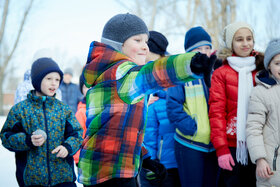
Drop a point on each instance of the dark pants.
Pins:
(196, 168)
(117, 182)
(172, 179)
(240, 176)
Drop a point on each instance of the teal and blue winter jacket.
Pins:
(37, 165)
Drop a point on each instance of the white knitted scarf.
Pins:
(244, 66)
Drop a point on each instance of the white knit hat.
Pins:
(231, 29)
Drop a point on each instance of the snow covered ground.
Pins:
(7, 164)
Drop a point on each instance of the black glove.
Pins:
(201, 63)
(158, 172)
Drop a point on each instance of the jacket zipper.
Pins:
(160, 147)
(47, 131)
(275, 157)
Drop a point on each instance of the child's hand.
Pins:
(263, 170)
(226, 162)
(61, 151)
(37, 140)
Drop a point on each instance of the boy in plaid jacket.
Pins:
(116, 103)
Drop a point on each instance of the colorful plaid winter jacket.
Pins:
(37, 165)
(116, 109)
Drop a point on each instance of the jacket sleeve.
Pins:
(162, 73)
(13, 135)
(255, 123)
(175, 111)
(151, 131)
(217, 113)
(73, 134)
(81, 117)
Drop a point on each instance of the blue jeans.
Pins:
(196, 168)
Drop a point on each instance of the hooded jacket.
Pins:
(159, 133)
(116, 109)
(263, 126)
(187, 110)
(37, 165)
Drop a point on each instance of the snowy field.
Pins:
(7, 164)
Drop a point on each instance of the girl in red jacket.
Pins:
(230, 89)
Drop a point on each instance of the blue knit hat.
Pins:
(157, 43)
(121, 27)
(40, 68)
(196, 37)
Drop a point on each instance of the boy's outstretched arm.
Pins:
(162, 73)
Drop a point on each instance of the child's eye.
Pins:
(249, 39)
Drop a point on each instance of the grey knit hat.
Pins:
(121, 27)
(272, 49)
(230, 30)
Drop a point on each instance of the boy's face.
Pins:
(136, 48)
(274, 66)
(205, 49)
(49, 84)
(243, 42)
(67, 78)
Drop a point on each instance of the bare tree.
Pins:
(175, 17)
(272, 17)
(7, 50)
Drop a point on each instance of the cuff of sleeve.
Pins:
(68, 147)
(189, 72)
(222, 151)
(29, 142)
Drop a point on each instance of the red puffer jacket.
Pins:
(223, 108)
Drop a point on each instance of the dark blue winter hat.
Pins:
(157, 43)
(40, 68)
(196, 37)
(121, 27)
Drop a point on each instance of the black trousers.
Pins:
(240, 176)
(117, 182)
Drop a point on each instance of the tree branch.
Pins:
(4, 19)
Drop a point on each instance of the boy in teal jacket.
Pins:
(43, 132)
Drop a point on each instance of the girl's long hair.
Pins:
(226, 52)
